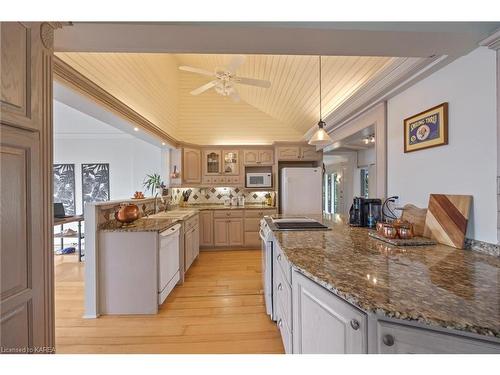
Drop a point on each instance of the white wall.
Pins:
(79, 138)
(467, 165)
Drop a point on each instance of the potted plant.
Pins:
(153, 183)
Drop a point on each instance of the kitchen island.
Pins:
(398, 296)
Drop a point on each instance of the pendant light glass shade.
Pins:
(320, 136)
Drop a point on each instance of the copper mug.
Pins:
(127, 213)
(390, 232)
(405, 232)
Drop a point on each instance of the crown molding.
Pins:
(67, 75)
(492, 41)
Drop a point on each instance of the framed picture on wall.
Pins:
(426, 129)
(95, 183)
(64, 187)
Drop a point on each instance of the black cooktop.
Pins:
(300, 225)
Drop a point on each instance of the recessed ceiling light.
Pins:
(163, 143)
(136, 129)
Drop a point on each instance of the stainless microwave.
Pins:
(258, 180)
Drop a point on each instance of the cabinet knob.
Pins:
(279, 257)
(354, 324)
(228, 213)
(280, 287)
(388, 340)
(280, 323)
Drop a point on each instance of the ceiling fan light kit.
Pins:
(320, 136)
(226, 79)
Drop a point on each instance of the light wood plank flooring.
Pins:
(219, 309)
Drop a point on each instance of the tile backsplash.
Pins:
(218, 194)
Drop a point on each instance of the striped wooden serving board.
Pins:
(446, 219)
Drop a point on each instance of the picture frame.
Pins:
(426, 129)
(64, 187)
(95, 183)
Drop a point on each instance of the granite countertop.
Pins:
(436, 285)
(141, 225)
(215, 206)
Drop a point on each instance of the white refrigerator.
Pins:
(301, 191)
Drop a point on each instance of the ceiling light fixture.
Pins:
(320, 137)
(136, 129)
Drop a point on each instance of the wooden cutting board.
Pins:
(416, 216)
(446, 219)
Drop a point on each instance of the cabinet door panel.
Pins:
(191, 170)
(413, 340)
(288, 153)
(206, 229)
(196, 242)
(310, 153)
(231, 163)
(188, 249)
(221, 237)
(212, 162)
(266, 157)
(250, 157)
(236, 232)
(322, 321)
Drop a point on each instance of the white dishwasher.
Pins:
(168, 262)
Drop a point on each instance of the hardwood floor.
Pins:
(219, 309)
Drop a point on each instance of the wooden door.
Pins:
(266, 157)
(250, 157)
(288, 153)
(191, 169)
(26, 258)
(206, 229)
(221, 237)
(236, 232)
(323, 323)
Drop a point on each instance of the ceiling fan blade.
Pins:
(252, 82)
(235, 96)
(235, 63)
(203, 88)
(196, 70)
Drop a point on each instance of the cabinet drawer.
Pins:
(285, 331)
(259, 213)
(396, 338)
(281, 261)
(228, 213)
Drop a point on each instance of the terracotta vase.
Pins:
(127, 213)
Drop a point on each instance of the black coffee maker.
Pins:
(365, 212)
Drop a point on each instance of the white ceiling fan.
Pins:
(226, 79)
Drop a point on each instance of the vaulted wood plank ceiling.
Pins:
(152, 85)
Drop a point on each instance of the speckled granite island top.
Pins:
(436, 285)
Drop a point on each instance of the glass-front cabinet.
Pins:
(212, 162)
(231, 162)
(218, 162)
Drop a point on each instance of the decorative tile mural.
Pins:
(217, 195)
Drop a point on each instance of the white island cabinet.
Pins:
(137, 270)
(324, 323)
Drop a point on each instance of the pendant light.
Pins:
(320, 137)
